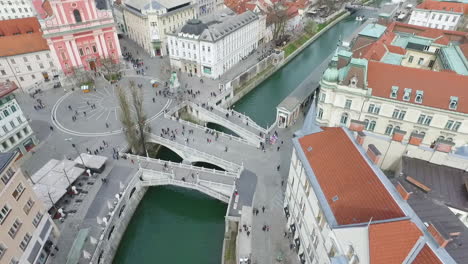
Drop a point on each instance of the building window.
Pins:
(77, 16)
(13, 108)
(29, 68)
(320, 114)
(27, 207)
(399, 114)
(371, 125)
(419, 96)
(2, 250)
(13, 261)
(12, 124)
(81, 51)
(410, 59)
(323, 96)
(375, 109)
(18, 191)
(25, 59)
(449, 124)
(38, 57)
(209, 49)
(24, 243)
(407, 94)
(33, 76)
(453, 102)
(4, 212)
(5, 129)
(13, 61)
(452, 125)
(348, 104)
(344, 119)
(8, 175)
(394, 92)
(94, 49)
(421, 61)
(37, 219)
(3, 72)
(6, 113)
(14, 228)
(389, 130)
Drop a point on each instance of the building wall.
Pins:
(29, 69)
(149, 29)
(11, 9)
(333, 107)
(34, 220)
(418, 59)
(212, 59)
(316, 237)
(435, 19)
(65, 35)
(207, 7)
(15, 131)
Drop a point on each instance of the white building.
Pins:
(11, 9)
(341, 208)
(25, 57)
(15, 132)
(148, 21)
(213, 45)
(207, 7)
(438, 14)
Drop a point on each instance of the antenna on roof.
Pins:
(369, 222)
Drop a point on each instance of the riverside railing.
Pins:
(244, 117)
(195, 152)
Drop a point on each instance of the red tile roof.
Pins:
(426, 256)
(7, 88)
(19, 36)
(361, 195)
(432, 33)
(444, 6)
(391, 242)
(437, 86)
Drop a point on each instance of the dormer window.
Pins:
(419, 97)
(453, 102)
(353, 82)
(394, 92)
(407, 94)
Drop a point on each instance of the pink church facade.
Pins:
(78, 34)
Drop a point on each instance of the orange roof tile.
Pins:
(19, 36)
(426, 256)
(391, 242)
(444, 6)
(7, 88)
(432, 33)
(361, 195)
(418, 79)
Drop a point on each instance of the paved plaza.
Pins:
(261, 182)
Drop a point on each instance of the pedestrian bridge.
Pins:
(217, 184)
(238, 123)
(193, 155)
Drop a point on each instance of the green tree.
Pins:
(311, 27)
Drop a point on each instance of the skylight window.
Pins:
(394, 93)
(453, 102)
(419, 97)
(407, 94)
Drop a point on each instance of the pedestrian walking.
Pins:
(248, 233)
(84, 113)
(263, 209)
(282, 183)
(278, 148)
(51, 128)
(278, 168)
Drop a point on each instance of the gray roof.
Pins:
(155, 4)
(219, 25)
(446, 183)
(194, 27)
(5, 159)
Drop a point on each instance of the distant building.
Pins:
(341, 208)
(439, 14)
(79, 34)
(15, 134)
(211, 46)
(148, 22)
(12, 9)
(28, 233)
(25, 57)
(399, 80)
(207, 7)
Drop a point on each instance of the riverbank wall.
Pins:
(122, 215)
(230, 97)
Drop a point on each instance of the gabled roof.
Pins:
(373, 30)
(391, 242)
(437, 86)
(444, 6)
(353, 191)
(426, 256)
(20, 36)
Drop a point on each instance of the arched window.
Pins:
(77, 16)
(371, 126)
(320, 113)
(441, 138)
(450, 139)
(344, 119)
(389, 130)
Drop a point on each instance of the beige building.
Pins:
(28, 234)
(148, 21)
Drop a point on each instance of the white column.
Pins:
(70, 53)
(57, 13)
(64, 15)
(98, 44)
(88, 11)
(75, 52)
(103, 43)
(117, 44)
(93, 5)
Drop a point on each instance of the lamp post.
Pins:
(76, 149)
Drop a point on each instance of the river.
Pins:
(180, 226)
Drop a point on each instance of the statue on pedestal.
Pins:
(174, 82)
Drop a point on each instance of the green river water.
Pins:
(178, 226)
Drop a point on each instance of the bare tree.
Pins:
(111, 68)
(79, 76)
(140, 116)
(277, 15)
(311, 27)
(127, 121)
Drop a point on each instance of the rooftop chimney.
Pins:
(357, 125)
(439, 238)
(360, 137)
(403, 192)
(398, 135)
(373, 153)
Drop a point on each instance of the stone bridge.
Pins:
(355, 7)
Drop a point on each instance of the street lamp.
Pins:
(76, 149)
